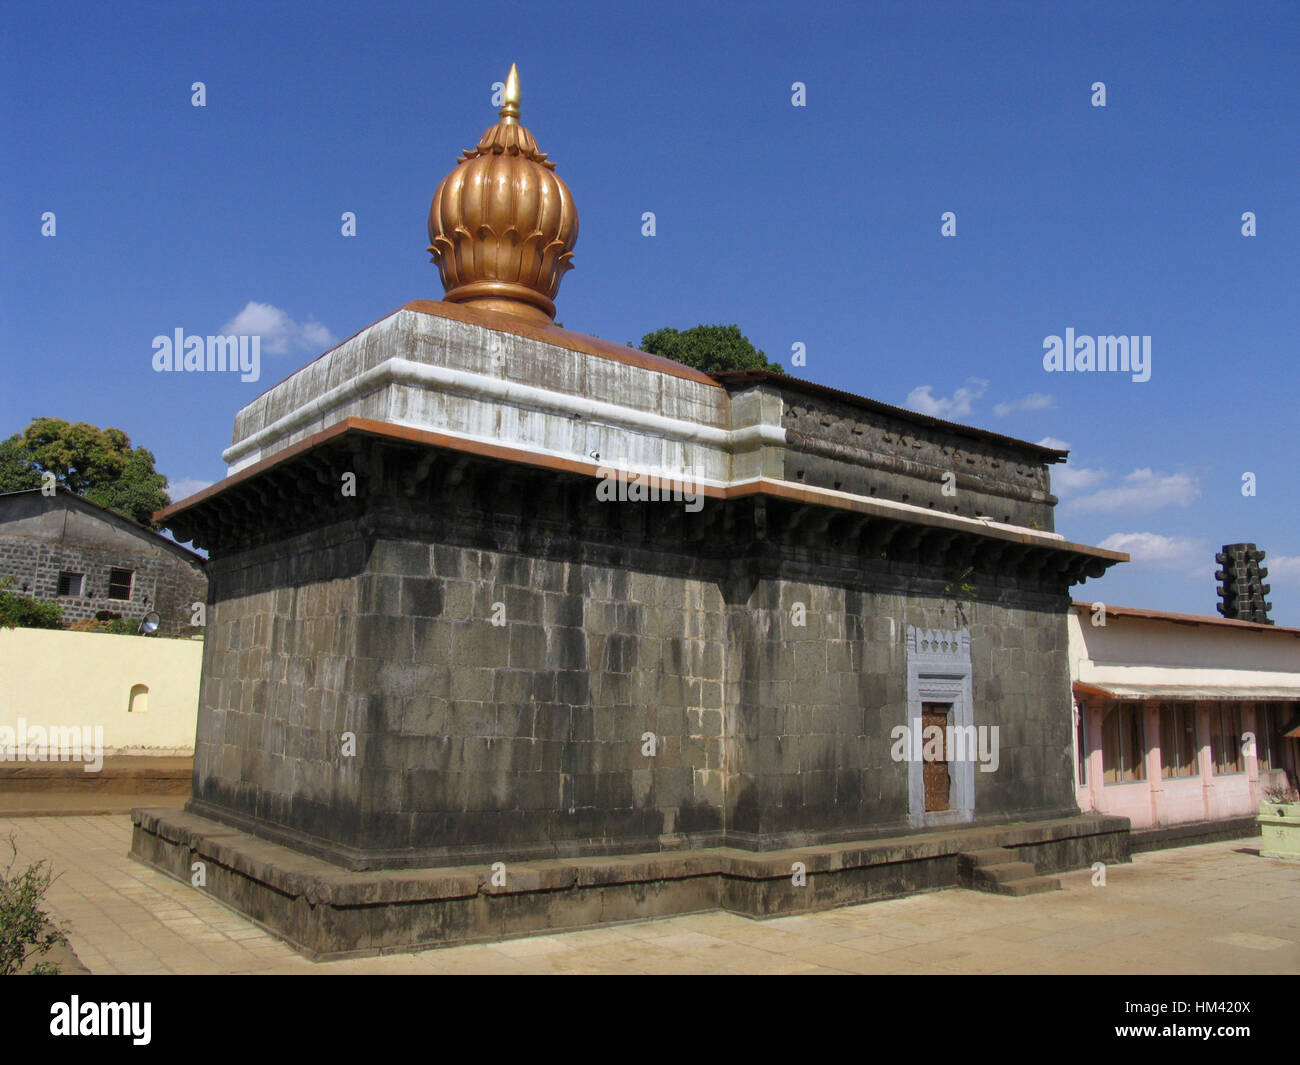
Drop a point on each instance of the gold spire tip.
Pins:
(510, 105)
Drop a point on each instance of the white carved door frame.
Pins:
(939, 671)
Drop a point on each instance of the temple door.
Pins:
(934, 770)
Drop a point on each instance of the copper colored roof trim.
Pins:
(1183, 619)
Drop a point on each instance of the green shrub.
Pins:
(26, 931)
(22, 611)
(123, 627)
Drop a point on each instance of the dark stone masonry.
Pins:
(500, 644)
(857, 445)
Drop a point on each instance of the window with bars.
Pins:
(70, 583)
(1225, 738)
(119, 583)
(1264, 725)
(1179, 749)
(1270, 719)
(1123, 745)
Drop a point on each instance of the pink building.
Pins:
(1180, 718)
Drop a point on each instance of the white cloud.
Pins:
(1069, 480)
(1033, 401)
(183, 487)
(958, 405)
(315, 335)
(1053, 442)
(1160, 552)
(1143, 491)
(280, 334)
(1284, 568)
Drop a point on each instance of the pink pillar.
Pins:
(1092, 731)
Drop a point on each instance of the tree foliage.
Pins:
(24, 612)
(99, 464)
(26, 931)
(709, 348)
(18, 470)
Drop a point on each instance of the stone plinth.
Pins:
(467, 659)
(326, 912)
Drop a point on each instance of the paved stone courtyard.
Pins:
(1216, 908)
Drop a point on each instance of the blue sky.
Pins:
(817, 224)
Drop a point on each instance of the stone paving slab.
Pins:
(1212, 908)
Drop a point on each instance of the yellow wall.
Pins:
(55, 678)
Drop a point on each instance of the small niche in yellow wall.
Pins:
(139, 703)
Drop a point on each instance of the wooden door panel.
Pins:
(934, 771)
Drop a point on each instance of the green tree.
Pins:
(18, 471)
(709, 348)
(99, 464)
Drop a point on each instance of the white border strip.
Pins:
(398, 371)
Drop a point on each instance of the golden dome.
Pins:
(502, 225)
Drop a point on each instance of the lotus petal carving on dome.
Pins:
(502, 224)
(507, 140)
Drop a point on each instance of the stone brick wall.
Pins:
(814, 706)
(469, 734)
(851, 449)
(280, 687)
(481, 740)
(38, 540)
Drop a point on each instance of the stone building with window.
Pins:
(95, 563)
(1181, 721)
(515, 628)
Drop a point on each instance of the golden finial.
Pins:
(510, 106)
(502, 225)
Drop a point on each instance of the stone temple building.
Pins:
(512, 628)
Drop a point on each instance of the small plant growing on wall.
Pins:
(962, 588)
(26, 931)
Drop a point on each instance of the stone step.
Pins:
(1006, 873)
(998, 871)
(1035, 886)
(993, 856)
